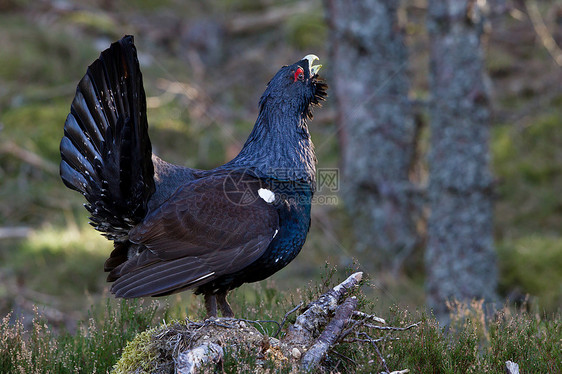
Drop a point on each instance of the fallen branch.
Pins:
(358, 314)
(322, 325)
(317, 313)
(391, 328)
(329, 336)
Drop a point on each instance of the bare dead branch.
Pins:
(285, 318)
(359, 340)
(259, 322)
(377, 350)
(323, 324)
(329, 336)
(365, 316)
(317, 312)
(391, 328)
(542, 31)
(348, 359)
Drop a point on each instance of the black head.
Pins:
(296, 87)
(279, 146)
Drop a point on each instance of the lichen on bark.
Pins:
(460, 258)
(376, 126)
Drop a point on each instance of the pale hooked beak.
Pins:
(313, 69)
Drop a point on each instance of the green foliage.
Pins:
(69, 256)
(527, 339)
(25, 65)
(529, 210)
(94, 348)
(307, 30)
(526, 163)
(263, 302)
(472, 343)
(531, 265)
(37, 126)
(421, 350)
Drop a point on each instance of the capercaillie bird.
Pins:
(176, 228)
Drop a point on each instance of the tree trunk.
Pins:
(460, 257)
(377, 131)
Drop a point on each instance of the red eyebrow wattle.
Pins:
(298, 72)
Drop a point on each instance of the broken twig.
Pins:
(318, 312)
(330, 335)
(285, 318)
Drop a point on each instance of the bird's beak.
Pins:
(313, 68)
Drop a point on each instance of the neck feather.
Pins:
(279, 147)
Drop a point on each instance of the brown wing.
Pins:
(212, 226)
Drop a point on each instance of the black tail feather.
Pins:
(106, 152)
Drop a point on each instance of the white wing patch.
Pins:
(267, 195)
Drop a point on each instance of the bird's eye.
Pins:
(299, 74)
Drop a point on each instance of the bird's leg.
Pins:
(225, 308)
(211, 305)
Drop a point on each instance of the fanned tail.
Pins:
(106, 152)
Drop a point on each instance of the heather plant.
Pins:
(94, 347)
(473, 342)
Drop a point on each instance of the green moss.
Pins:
(139, 355)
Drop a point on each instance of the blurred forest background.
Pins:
(205, 65)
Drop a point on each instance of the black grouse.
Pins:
(176, 228)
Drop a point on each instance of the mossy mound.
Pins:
(156, 350)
